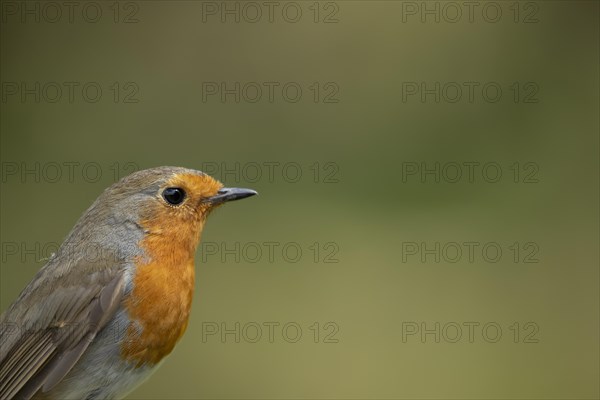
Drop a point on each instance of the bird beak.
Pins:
(230, 194)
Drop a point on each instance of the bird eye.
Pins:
(174, 196)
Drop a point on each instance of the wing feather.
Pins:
(38, 355)
(44, 352)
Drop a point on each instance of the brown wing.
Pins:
(48, 328)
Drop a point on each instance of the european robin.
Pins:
(94, 326)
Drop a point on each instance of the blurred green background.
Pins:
(354, 134)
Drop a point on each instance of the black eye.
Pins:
(174, 196)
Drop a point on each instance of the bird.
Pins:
(114, 299)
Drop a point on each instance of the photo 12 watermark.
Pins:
(268, 171)
(469, 332)
(470, 171)
(271, 12)
(290, 92)
(471, 252)
(470, 92)
(488, 12)
(69, 12)
(70, 92)
(270, 332)
(64, 171)
(270, 252)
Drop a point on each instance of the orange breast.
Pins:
(161, 298)
(160, 304)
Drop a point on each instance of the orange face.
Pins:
(174, 222)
